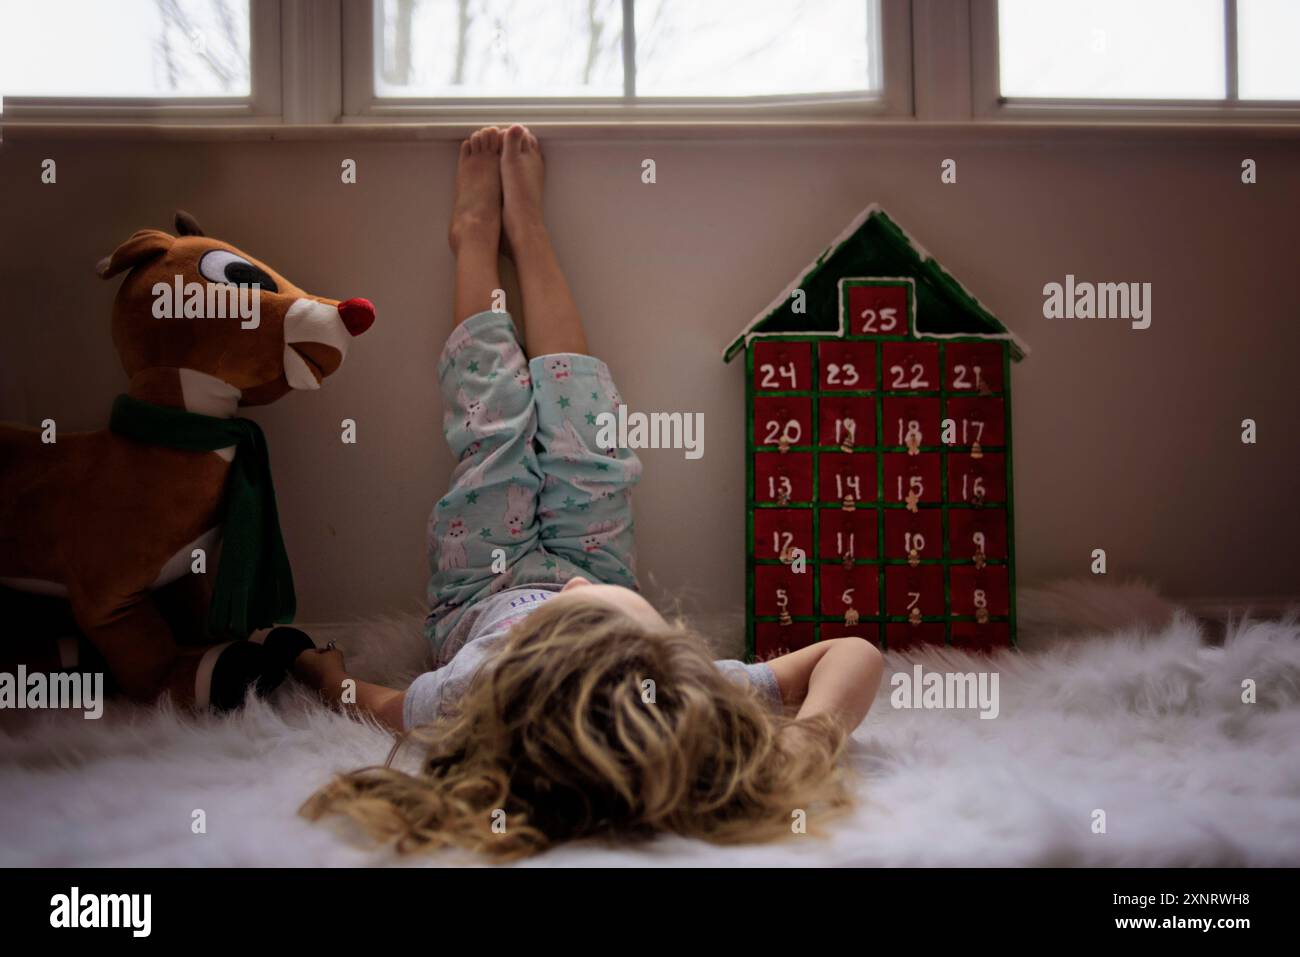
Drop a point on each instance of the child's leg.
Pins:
(486, 524)
(551, 320)
(585, 502)
(475, 234)
(585, 506)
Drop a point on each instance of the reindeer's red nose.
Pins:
(358, 315)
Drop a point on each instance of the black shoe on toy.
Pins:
(283, 646)
(241, 664)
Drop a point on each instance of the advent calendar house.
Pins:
(878, 453)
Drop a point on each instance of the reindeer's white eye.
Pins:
(220, 265)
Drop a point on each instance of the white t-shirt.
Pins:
(483, 631)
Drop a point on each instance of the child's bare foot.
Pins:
(476, 214)
(522, 176)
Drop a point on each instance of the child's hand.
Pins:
(320, 668)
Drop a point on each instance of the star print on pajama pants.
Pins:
(531, 479)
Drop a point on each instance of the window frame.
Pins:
(263, 104)
(311, 66)
(989, 104)
(361, 104)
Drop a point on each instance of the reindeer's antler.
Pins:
(187, 225)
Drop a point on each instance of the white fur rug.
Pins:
(1115, 704)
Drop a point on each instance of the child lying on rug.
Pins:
(563, 704)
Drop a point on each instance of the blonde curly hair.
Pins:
(591, 723)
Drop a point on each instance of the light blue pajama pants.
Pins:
(533, 492)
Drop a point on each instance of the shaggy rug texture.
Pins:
(1115, 703)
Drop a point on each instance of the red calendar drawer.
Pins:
(974, 588)
(782, 415)
(905, 415)
(782, 366)
(912, 473)
(847, 365)
(866, 630)
(841, 474)
(780, 529)
(907, 588)
(775, 474)
(981, 420)
(844, 532)
(973, 366)
(770, 581)
(772, 639)
(857, 588)
(977, 481)
(973, 529)
(878, 311)
(987, 637)
(900, 636)
(910, 366)
(847, 418)
(906, 530)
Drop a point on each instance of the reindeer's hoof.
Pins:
(283, 646)
(241, 665)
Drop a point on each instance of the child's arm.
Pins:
(323, 670)
(839, 677)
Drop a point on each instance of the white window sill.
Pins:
(872, 128)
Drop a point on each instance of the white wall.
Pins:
(1125, 440)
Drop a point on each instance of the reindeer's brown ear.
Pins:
(187, 225)
(144, 244)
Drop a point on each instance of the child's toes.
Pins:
(516, 138)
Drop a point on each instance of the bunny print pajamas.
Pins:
(534, 500)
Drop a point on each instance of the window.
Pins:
(623, 52)
(490, 48)
(1268, 49)
(1199, 51)
(771, 64)
(139, 58)
(767, 47)
(130, 48)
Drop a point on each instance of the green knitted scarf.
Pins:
(254, 586)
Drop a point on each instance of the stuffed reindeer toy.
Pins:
(176, 493)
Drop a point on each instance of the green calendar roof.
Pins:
(874, 246)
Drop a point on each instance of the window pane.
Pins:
(1112, 49)
(503, 48)
(149, 48)
(761, 47)
(1268, 49)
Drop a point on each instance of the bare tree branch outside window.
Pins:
(202, 38)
